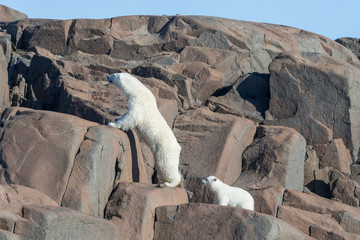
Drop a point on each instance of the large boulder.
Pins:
(14, 197)
(132, 207)
(351, 43)
(327, 218)
(47, 222)
(10, 15)
(318, 96)
(73, 161)
(205, 221)
(275, 158)
(212, 144)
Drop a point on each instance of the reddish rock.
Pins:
(46, 144)
(4, 87)
(205, 221)
(275, 158)
(92, 177)
(131, 207)
(268, 200)
(321, 93)
(212, 143)
(335, 155)
(336, 217)
(344, 189)
(318, 226)
(14, 197)
(46, 222)
(10, 15)
(353, 44)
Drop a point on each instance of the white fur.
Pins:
(144, 115)
(229, 196)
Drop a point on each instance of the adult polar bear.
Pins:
(144, 115)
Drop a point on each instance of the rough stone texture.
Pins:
(275, 158)
(43, 222)
(4, 55)
(351, 43)
(92, 177)
(132, 207)
(34, 140)
(344, 189)
(14, 197)
(212, 144)
(248, 97)
(204, 221)
(79, 160)
(334, 155)
(315, 94)
(267, 200)
(308, 211)
(10, 15)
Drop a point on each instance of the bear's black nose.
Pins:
(109, 80)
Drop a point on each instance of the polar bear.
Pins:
(229, 196)
(144, 115)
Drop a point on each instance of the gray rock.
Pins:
(318, 96)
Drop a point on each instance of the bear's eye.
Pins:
(215, 179)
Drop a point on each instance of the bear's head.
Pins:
(211, 181)
(127, 83)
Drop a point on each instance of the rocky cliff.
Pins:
(272, 109)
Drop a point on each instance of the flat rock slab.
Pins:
(132, 207)
(208, 221)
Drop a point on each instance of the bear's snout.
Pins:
(204, 180)
(109, 79)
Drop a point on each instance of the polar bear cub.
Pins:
(229, 196)
(144, 115)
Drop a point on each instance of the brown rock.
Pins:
(351, 43)
(10, 15)
(4, 87)
(14, 197)
(132, 207)
(249, 97)
(205, 221)
(208, 157)
(51, 36)
(212, 144)
(347, 217)
(344, 189)
(321, 93)
(335, 155)
(46, 222)
(92, 177)
(43, 140)
(268, 200)
(318, 226)
(275, 158)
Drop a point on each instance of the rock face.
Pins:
(10, 15)
(318, 96)
(269, 108)
(203, 221)
(351, 43)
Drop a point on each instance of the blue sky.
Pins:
(331, 18)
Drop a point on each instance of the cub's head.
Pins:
(211, 181)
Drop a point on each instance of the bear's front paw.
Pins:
(114, 125)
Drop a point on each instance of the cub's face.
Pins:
(211, 180)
